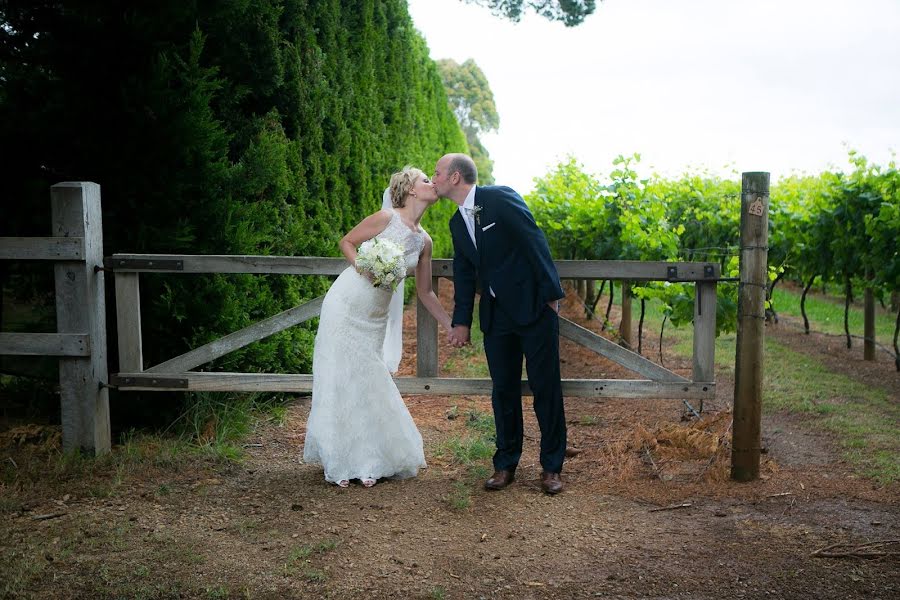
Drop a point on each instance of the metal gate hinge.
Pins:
(147, 264)
(151, 382)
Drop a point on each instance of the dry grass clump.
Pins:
(45, 437)
(687, 450)
(617, 461)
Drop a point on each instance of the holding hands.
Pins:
(459, 336)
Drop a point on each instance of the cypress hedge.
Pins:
(239, 127)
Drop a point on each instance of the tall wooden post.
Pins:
(426, 338)
(625, 327)
(748, 372)
(81, 308)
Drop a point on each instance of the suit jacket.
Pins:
(512, 258)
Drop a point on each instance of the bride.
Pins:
(359, 427)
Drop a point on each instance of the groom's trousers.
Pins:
(505, 344)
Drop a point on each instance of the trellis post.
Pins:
(748, 372)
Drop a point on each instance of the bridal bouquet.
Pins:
(384, 260)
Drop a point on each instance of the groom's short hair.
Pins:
(466, 167)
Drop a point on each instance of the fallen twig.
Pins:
(788, 507)
(844, 550)
(779, 495)
(47, 516)
(672, 507)
(652, 462)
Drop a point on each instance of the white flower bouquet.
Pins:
(384, 260)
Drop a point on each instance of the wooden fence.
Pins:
(77, 250)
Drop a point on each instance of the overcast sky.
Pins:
(725, 85)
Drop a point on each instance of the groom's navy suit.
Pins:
(511, 266)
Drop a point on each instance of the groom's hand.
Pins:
(554, 305)
(459, 336)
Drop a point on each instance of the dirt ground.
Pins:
(648, 512)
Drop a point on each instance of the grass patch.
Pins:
(314, 575)
(219, 591)
(482, 424)
(460, 497)
(20, 570)
(299, 560)
(826, 313)
(438, 593)
(472, 451)
(865, 421)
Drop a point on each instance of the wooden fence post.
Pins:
(748, 372)
(704, 333)
(81, 308)
(426, 338)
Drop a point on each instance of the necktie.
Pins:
(470, 222)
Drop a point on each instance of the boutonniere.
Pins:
(476, 212)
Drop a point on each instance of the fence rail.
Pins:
(312, 265)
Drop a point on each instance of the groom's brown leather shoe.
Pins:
(551, 483)
(499, 480)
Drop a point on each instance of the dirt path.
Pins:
(272, 528)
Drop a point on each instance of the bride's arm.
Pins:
(424, 289)
(366, 230)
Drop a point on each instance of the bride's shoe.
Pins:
(367, 482)
(343, 483)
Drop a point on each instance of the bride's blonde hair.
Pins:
(402, 184)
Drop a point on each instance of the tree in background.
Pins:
(472, 102)
(570, 12)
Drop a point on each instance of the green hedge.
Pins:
(238, 127)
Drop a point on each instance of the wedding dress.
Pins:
(358, 425)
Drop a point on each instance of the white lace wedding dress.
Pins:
(358, 425)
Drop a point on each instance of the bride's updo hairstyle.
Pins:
(402, 184)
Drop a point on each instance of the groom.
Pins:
(499, 249)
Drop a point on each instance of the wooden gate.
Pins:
(176, 373)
